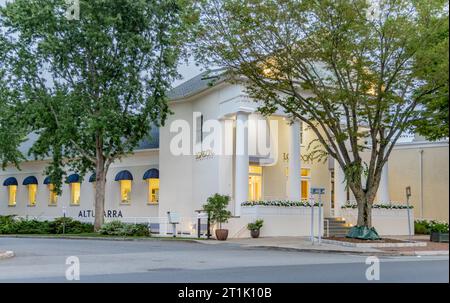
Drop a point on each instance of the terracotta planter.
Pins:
(254, 233)
(221, 234)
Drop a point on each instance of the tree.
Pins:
(347, 70)
(91, 88)
(11, 134)
(433, 121)
(216, 208)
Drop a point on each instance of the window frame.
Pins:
(150, 187)
(122, 189)
(73, 191)
(256, 174)
(53, 196)
(12, 195)
(32, 202)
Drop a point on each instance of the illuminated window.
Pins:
(153, 190)
(125, 191)
(255, 183)
(32, 191)
(75, 193)
(12, 190)
(304, 184)
(53, 198)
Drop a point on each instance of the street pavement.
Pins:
(44, 260)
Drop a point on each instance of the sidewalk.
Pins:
(304, 244)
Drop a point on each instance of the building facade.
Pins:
(216, 142)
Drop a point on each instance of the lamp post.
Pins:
(408, 195)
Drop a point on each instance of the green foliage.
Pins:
(426, 227)
(421, 227)
(91, 88)
(255, 225)
(279, 203)
(379, 206)
(357, 80)
(70, 226)
(13, 225)
(118, 228)
(216, 207)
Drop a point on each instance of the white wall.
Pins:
(137, 164)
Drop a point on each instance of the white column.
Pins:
(242, 159)
(383, 188)
(340, 193)
(294, 174)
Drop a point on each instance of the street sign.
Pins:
(317, 191)
(408, 191)
(174, 218)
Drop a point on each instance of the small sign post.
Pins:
(408, 195)
(319, 191)
(64, 220)
(174, 219)
(311, 202)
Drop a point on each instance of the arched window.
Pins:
(74, 182)
(125, 179)
(32, 184)
(152, 178)
(11, 183)
(53, 196)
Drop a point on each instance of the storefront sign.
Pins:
(203, 155)
(107, 214)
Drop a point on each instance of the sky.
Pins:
(186, 70)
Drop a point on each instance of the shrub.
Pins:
(216, 207)
(12, 225)
(421, 227)
(25, 226)
(426, 227)
(439, 227)
(256, 225)
(118, 228)
(70, 226)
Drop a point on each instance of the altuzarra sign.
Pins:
(107, 214)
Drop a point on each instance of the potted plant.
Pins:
(216, 208)
(439, 232)
(255, 227)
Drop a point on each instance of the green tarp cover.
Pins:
(363, 233)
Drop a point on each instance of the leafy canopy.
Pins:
(216, 207)
(354, 77)
(92, 88)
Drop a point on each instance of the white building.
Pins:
(253, 163)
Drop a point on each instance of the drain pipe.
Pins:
(421, 182)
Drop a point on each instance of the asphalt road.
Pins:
(44, 260)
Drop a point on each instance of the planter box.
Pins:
(439, 237)
(387, 222)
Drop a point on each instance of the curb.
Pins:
(325, 251)
(6, 254)
(360, 253)
(375, 245)
(98, 238)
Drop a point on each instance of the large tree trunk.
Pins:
(364, 213)
(100, 172)
(99, 198)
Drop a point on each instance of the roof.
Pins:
(151, 142)
(197, 84)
